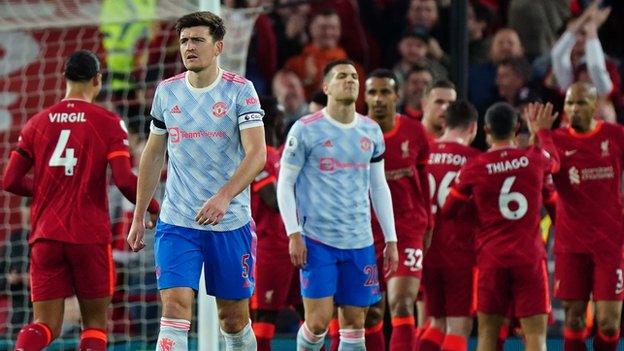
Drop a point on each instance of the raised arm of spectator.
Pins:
(596, 64)
(561, 60)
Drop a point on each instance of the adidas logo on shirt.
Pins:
(175, 109)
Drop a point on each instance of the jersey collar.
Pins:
(204, 89)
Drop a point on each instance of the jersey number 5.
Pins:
(506, 197)
(57, 159)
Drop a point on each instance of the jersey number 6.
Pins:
(506, 197)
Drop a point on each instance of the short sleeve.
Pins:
(25, 141)
(158, 125)
(379, 146)
(248, 108)
(294, 154)
(118, 140)
(423, 149)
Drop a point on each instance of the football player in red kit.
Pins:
(70, 146)
(407, 151)
(505, 184)
(589, 234)
(449, 262)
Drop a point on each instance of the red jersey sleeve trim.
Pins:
(118, 154)
(264, 182)
(458, 195)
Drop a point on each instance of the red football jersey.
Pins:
(406, 149)
(269, 226)
(506, 187)
(70, 144)
(452, 242)
(589, 206)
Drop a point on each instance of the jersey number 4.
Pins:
(507, 197)
(57, 159)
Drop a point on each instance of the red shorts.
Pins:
(277, 282)
(59, 270)
(448, 291)
(410, 261)
(579, 274)
(526, 287)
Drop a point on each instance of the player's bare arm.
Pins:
(152, 161)
(214, 209)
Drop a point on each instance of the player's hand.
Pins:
(539, 116)
(213, 210)
(298, 250)
(136, 234)
(391, 258)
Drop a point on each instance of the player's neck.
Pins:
(386, 123)
(502, 144)
(79, 94)
(343, 113)
(431, 129)
(455, 136)
(586, 128)
(204, 77)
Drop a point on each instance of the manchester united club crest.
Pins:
(365, 143)
(219, 109)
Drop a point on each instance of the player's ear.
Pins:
(97, 80)
(219, 46)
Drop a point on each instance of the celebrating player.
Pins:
(210, 123)
(332, 159)
(589, 237)
(437, 98)
(407, 151)
(506, 184)
(70, 146)
(449, 263)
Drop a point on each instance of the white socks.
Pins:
(244, 340)
(173, 335)
(352, 340)
(308, 341)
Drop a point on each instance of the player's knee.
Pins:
(232, 322)
(316, 326)
(176, 308)
(608, 325)
(373, 317)
(402, 306)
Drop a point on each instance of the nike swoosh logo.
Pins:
(569, 152)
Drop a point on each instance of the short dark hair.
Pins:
(440, 84)
(319, 97)
(519, 65)
(385, 73)
(501, 118)
(460, 114)
(82, 66)
(417, 68)
(335, 63)
(326, 11)
(202, 18)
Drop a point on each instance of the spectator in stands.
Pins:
(512, 81)
(289, 25)
(481, 78)
(325, 33)
(288, 91)
(578, 56)
(537, 23)
(414, 50)
(425, 14)
(478, 41)
(413, 90)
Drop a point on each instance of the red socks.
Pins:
(375, 339)
(403, 333)
(92, 340)
(431, 339)
(264, 334)
(33, 337)
(606, 343)
(454, 343)
(574, 340)
(333, 332)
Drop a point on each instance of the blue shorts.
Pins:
(228, 259)
(350, 276)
